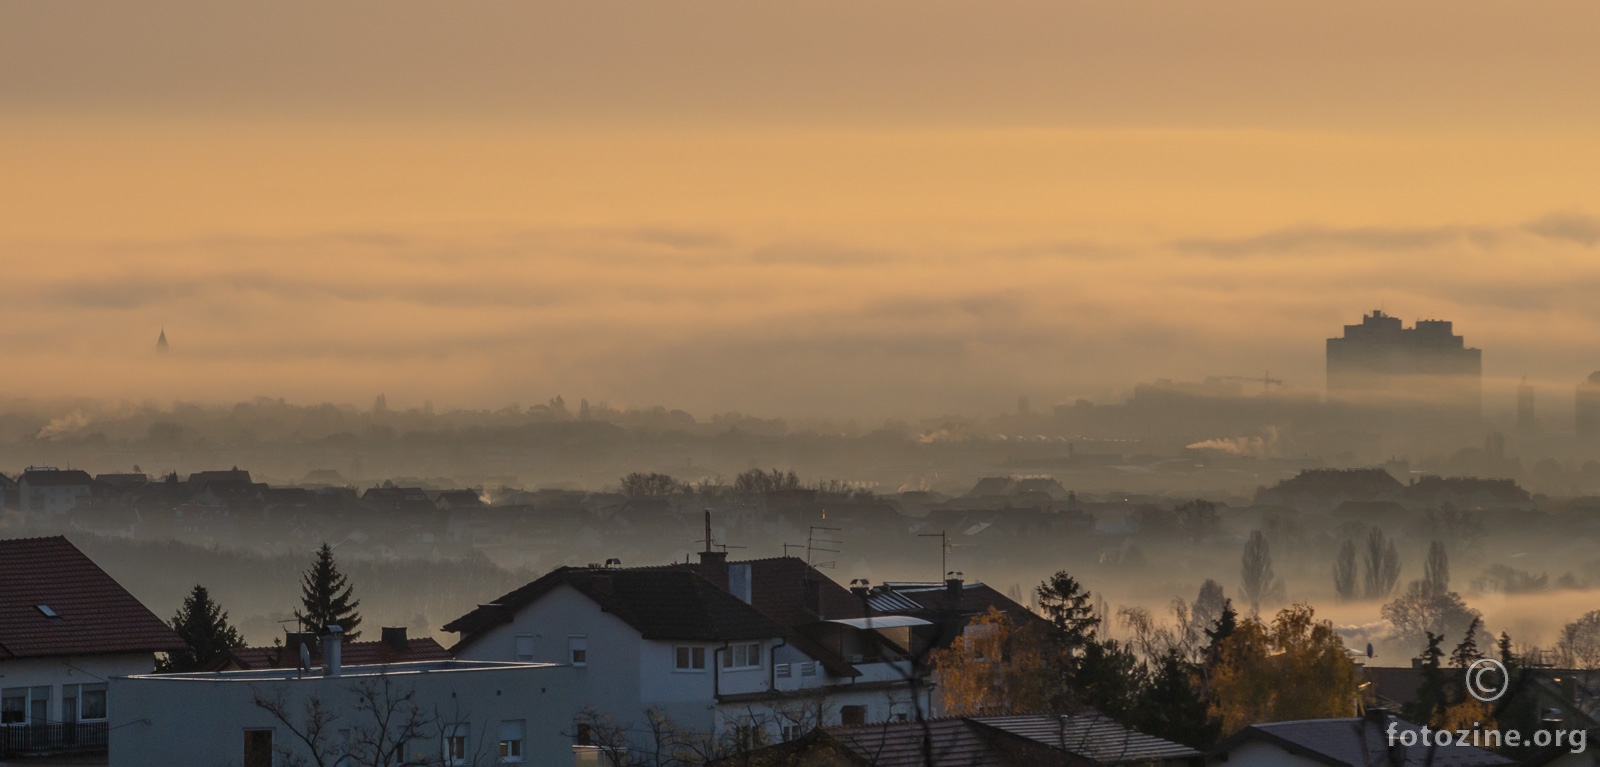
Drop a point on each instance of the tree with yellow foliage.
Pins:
(996, 667)
(1293, 668)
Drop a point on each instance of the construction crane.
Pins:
(1266, 380)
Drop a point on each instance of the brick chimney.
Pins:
(395, 637)
(952, 587)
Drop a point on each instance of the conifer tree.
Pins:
(327, 598)
(204, 626)
(1174, 707)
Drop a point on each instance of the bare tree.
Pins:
(1383, 565)
(311, 723)
(1255, 568)
(1344, 571)
(387, 728)
(1436, 570)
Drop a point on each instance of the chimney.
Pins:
(952, 586)
(332, 650)
(718, 558)
(294, 640)
(860, 587)
(395, 636)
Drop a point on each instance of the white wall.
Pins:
(72, 670)
(201, 719)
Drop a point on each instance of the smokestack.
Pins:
(395, 636)
(332, 651)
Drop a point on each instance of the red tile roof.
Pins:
(352, 654)
(96, 615)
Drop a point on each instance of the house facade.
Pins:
(66, 628)
(670, 640)
(53, 491)
(453, 713)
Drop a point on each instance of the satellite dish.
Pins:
(305, 657)
(1369, 649)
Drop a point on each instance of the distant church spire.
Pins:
(161, 343)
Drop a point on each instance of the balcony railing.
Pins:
(18, 740)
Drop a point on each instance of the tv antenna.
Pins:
(944, 550)
(812, 542)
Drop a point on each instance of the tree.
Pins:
(381, 725)
(1466, 653)
(204, 627)
(1421, 610)
(1436, 570)
(1383, 565)
(652, 485)
(1217, 635)
(1293, 668)
(1255, 568)
(995, 667)
(1209, 605)
(1579, 644)
(1430, 699)
(750, 485)
(1070, 609)
(1344, 571)
(1173, 706)
(326, 597)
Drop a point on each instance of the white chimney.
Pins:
(332, 648)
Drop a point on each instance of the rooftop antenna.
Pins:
(945, 547)
(707, 539)
(811, 545)
(788, 546)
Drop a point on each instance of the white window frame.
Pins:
(578, 643)
(730, 659)
(457, 732)
(512, 750)
(518, 643)
(693, 654)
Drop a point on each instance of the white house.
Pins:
(53, 491)
(451, 713)
(671, 640)
(66, 629)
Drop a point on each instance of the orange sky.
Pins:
(830, 209)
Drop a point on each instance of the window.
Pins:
(809, 668)
(791, 731)
(525, 648)
(258, 748)
(92, 702)
(14, 705)
(782, 670)
(746, 655)
(455, 744)
(511, 741)
(852, 715)
(578, 650)
(39, 705)
(689, 658)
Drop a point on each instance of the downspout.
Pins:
(772, 665)
(716, 671)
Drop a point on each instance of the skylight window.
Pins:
(48, 613)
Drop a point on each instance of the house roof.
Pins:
(661, 604)
(1357, 743)
(95, 615)
(54, 477)
(999, 741)
(778, 589)
(351, 654)
(1091, 735)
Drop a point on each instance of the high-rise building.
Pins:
(1526, 422)
(1421, 385)
(1587, 417)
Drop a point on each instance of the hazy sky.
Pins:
(824, 208)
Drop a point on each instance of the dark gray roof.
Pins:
(1090, 735)
(1357, 743)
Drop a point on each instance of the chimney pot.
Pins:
(395, 636)
(713, 557)
(332, 651)
(952, 588)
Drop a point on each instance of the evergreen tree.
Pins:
(1430, 699)
(1067, 604)
(1507, 657)
(1219, 633)
(204, 626)
(1173, 708)
(326, 596)
(1109, 678)
(1467, 652)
